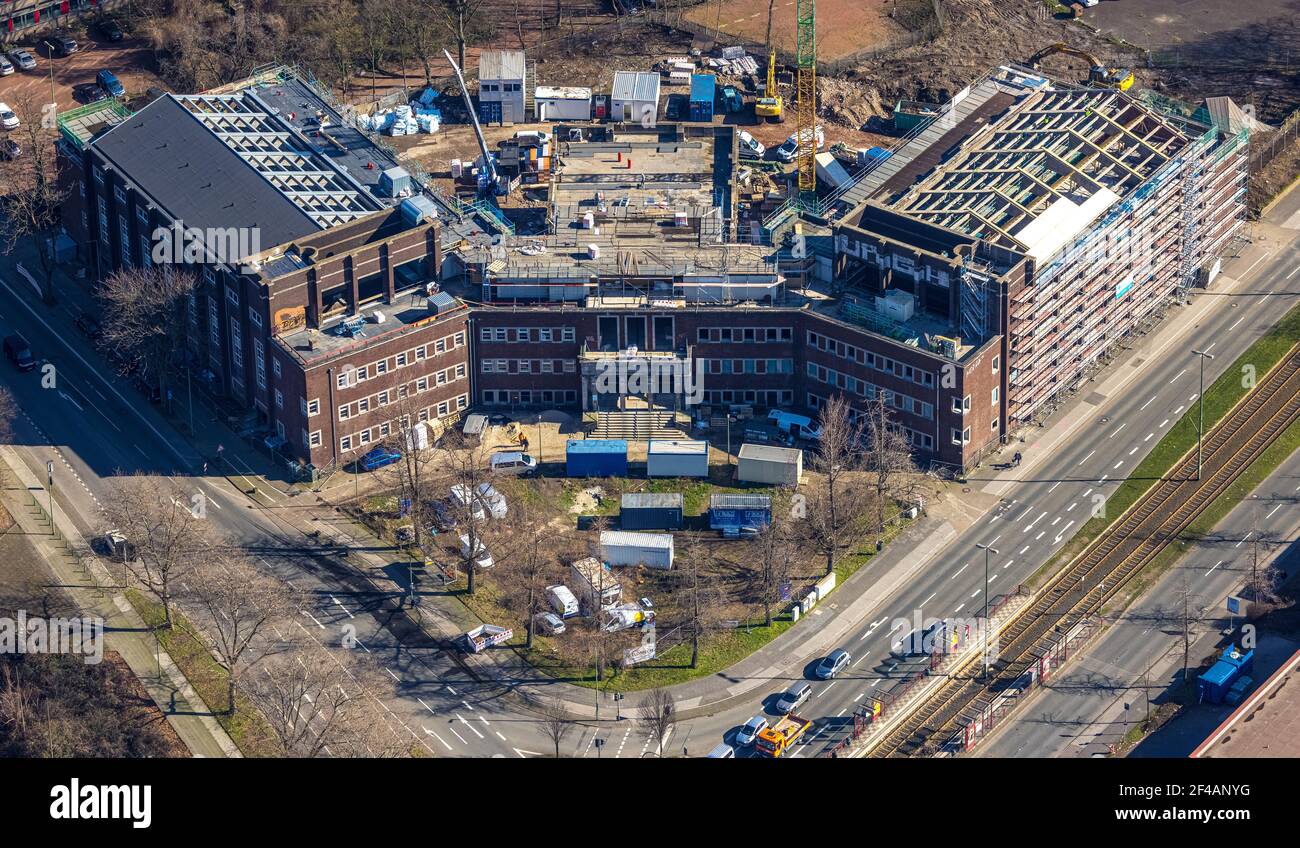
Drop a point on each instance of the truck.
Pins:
(594, 585)
(780, 737)
(800, 426)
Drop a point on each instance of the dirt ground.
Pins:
(843, 26)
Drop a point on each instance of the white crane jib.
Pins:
(489, 161)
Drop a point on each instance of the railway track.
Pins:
(1084, 586)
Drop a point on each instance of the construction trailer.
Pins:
(769, 465)
(736, 513)
(502, 83)
(704, 91)
(653, 550)
(651, 511)
(677, 458)
(1214, 684)
(554, 103)
(594, 585)
(595, 458)
(635, 96)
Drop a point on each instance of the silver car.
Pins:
(794, 698)
(24, 60)
(750, 730)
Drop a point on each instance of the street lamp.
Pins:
(49, 478)
(987, 549)
(1200, 429)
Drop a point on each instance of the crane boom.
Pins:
(489, 162)
(806, 108)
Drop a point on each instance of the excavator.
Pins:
(1098, 74)
(769, 105)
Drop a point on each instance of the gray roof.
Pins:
(168, 153)
(501, 65)
(651, 500)
(769, 453)
(636, 85)
(730, 501)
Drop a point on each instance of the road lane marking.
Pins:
(1216, 565)
(1088, 457)
(470, 726)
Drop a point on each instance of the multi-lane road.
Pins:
(94, 426)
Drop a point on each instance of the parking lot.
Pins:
(131, 60)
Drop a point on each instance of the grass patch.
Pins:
(246, 726)
(1220, 397)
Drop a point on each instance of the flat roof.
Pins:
(596, 446)
(677, 446)
(549, 92)
(637, 540)
(501, 65)
(1267, 724)
(770, 453)
(651, 500)
(408, 312)
(636, 85)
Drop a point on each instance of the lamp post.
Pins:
(987, 549)
(1200, 428)
(49, 478)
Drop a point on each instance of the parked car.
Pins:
(749, 730)
(88, 92)
(6, 67)
(108, 29)
(19, 352)
(88, 324)
(499, 419)
(793, 698)
(790, 148)
(115, 546)
(378, 458)
(835, 662)
(750, 146)
(62, 45)
(549, 623)
(481, 556)
(514, 462)
(23, 59)
(722, 751)
(10, 149)
(108, 81)
(8, 120)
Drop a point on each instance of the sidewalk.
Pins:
(124, 631)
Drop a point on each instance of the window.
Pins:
(344, 411)
(382, 399)
(401, 359)
(422, 384)
(313, 406)
(363, 405)
(961, 437)
(363, 373)
(961, 406)
(460, 371)
(384, 429)
(365, 437)
(345, 443)
(997, 363)
(254, 318)
(124, 238)
(995, 396)
(315, 439)
(119, 194)
(440, 346)
(342, 380)
(993, 425)
(381, 367)
(568, 335)
(275, 368)
(259, 365)
(419, 354)
(459, 339)
(279, 399)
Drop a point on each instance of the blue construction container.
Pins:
(704, 88)
(596, 458)
(1214, 684)
(736, 512)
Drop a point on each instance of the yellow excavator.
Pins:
(769, 105)
(1098, 74)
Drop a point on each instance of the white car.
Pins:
(8, 120)
(787, 151)
(6, 67)
(750, 146)
(482, 559)
(750, 730)
(793, 698)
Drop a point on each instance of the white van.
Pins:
(722, 751)
(514, 462)
(562, 599)
(750, 146)
(481, 557)
(800, 426)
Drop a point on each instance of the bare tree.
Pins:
(529, 547)
(836, 502)
(771, 556)
(167, 530)
(464, 470)
(461, 19)
(698, 594)
(556, 723)
(146, 312)
(30, 193)
(888, 459)
(416, 473)
(657, 714)
(240, 604)
(315, 707)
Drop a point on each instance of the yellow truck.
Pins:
(780, 737)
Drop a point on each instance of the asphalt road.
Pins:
(94, 427)
(1082, 712)
(1040, 513)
